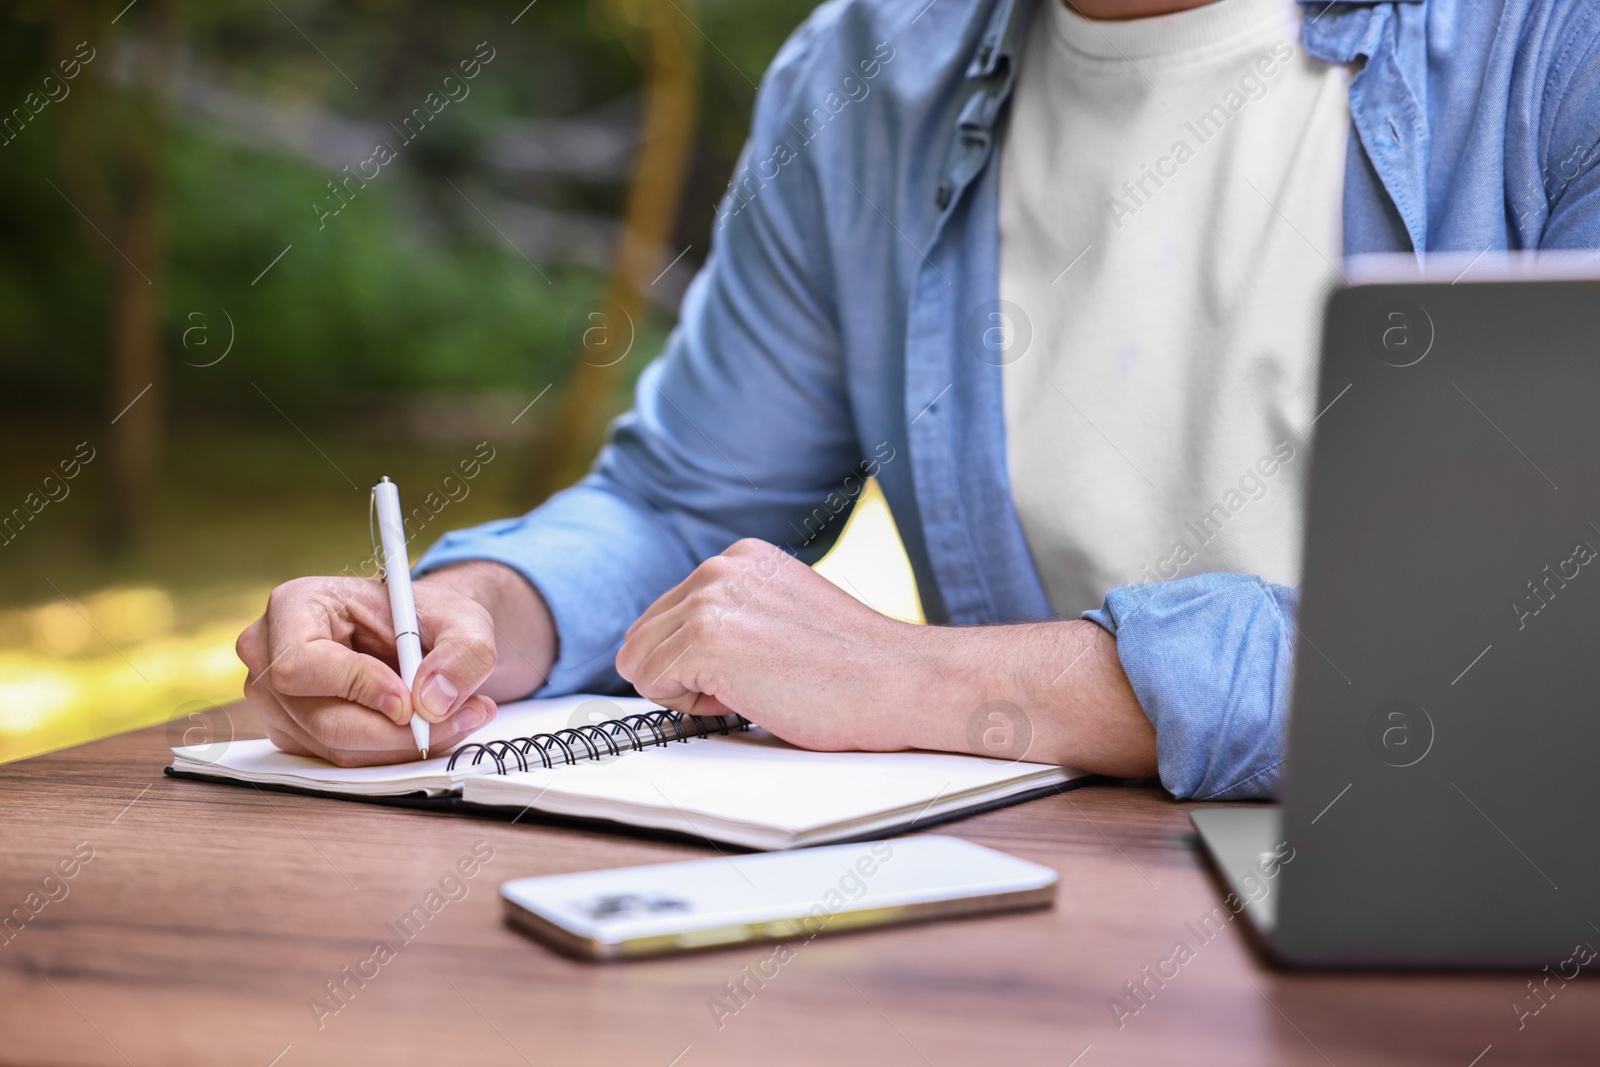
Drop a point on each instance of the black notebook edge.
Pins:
(453, 804)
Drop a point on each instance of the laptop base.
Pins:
(1243, 845)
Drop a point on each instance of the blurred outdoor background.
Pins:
(225, 313)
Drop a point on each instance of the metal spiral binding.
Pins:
(597, 740)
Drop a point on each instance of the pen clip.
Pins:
(372, 531)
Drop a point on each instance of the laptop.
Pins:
(1441, 799)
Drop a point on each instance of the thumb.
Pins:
(461, 655)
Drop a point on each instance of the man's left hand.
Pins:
(757, 632)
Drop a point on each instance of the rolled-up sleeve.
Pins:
(598, 557)
(739, 429)
(1211, 660)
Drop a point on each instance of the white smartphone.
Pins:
(674, 907)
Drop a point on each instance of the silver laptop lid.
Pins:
(1442, 797)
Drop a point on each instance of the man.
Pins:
(1054, 276)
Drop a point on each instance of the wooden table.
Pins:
(210, 918)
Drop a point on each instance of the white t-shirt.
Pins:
(1170, 217)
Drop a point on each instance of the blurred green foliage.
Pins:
(369, 303)
(407, 290)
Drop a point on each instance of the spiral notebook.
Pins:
(626, 761)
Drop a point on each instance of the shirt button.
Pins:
(983, 55)
(941, 196)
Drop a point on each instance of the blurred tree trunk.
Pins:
(113, 161)
(660, 34)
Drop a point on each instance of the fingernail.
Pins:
(439, 696)
(474, 717)
(391, 706)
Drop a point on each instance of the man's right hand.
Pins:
(322, 668)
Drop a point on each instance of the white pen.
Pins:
(397, 576)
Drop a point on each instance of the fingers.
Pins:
(663, 667)
(644, 639)
(708, 574)
(666, 648)
(697, 594)
(350, 736)
(309, 626)
(460, 639)
(251, 647)
(326, 668)
(316, 684)
(281, 728)
(287, 735)
(703, 705)
(474, 714)
(734, 576)
(666, 602)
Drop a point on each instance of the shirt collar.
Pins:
(1336, 31)
(1001, 40)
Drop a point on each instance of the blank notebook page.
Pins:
(753, 780)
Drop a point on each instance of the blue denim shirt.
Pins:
(835, 331)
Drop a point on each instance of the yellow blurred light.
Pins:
(128, 616)
(29, 700)
(59, 629)
(869, 562)
(48, 700)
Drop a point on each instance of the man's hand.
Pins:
(323, 675)
(757, 632)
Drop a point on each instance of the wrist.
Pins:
(949, 677)
(984, 688)
(482, 581)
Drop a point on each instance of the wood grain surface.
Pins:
(210, 920)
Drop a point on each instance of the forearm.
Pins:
(1061, 682)
(525, 632)
(1046, 692)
